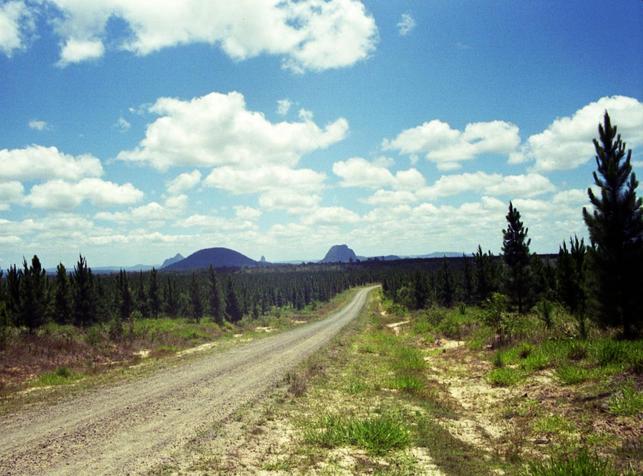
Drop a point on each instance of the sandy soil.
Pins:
(134, 426)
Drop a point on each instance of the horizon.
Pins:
(398, 129)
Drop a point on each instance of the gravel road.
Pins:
(130, 427)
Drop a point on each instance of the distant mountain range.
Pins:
(216, 257)
(227, 258)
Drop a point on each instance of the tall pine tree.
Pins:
(84, 295)
(616, 232)
(154, 297)
(232, 304)
(124, 296)
(515, 248)
(63, 309)
(33, 294)
(215, 297)
(196, 305)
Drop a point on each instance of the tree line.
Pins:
(601, 280)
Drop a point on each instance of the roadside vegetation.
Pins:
(58, 354)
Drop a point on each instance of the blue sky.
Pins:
(133, 130)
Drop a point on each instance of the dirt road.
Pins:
(130, 427)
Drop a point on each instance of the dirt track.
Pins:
(130, 427)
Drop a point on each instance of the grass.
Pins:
(628, 401)
(583, 463)
(61, 376)
(553, 424)
(377, 434)
(505, 377)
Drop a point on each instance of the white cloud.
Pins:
(247, 213)
(77, 51)
(184, 182)
(16, 25)
(309, 34)
(359, 172)
(217, 129)
(491, 184)
(293, 201)
(10, 192)
(123, 124)
(263, 179)
(567, 142)
(330, 215)
(38, 125)
(406, 24)
(448, 147)
(283, 106)
(152, 212)
(38, 162)
(58, 194)
(391, 198)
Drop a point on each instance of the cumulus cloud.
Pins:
(359, 172)
(218, 129)
(62, 195)
(448, 147)
(293, 201)
(38, 125)
(247, 213)
(16, 25)
(330, 215)
(283, 106)
(308, 35)
(567, 142)
(78, 50)
(263, 179)
(406, 24)
(38, 162)
(184, 182)
(10, 192)
(491, 184)
(150, 212)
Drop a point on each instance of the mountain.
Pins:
(216, 257)
(173, 260)
(339, 254)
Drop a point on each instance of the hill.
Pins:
(339, 254)
(178, 257)
(216, 257)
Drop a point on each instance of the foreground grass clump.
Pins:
(627, 402)
(61, 376)
(504, 377)
(581, 464)
(378, 434)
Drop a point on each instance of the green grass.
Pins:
(582, 463)
(572, 374)
(60, 376)
(505, 377)
(377, 434)
(553, 424)
(627, 402)
(407, 383)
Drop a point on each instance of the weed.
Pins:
(378, 434)
(498, 360)
(553, 424)
(524, 350)
(580, 464)
(60, 376)
(577, 351)
(572, 374)
(408, 359)
(627, 402)
(504, 377)
(407, 383)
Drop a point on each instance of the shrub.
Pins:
(577, 351)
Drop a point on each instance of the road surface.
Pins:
(130, 427)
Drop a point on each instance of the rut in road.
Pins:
(132, 426)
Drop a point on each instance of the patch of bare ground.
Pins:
(533, 418)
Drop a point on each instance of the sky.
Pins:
(132, 130)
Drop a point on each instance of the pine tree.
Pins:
(155, 304)
(171, 298)
(62, 302)
(232, 304)
(196, 305)
(467, 280)
(420, 291)
(484, 275)
(616, 232)
(13, 294)
(84, 295)
(124, 296)
(142, 305)
(515, 248)
(447, 290)
(217, 306)
(33, 294)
